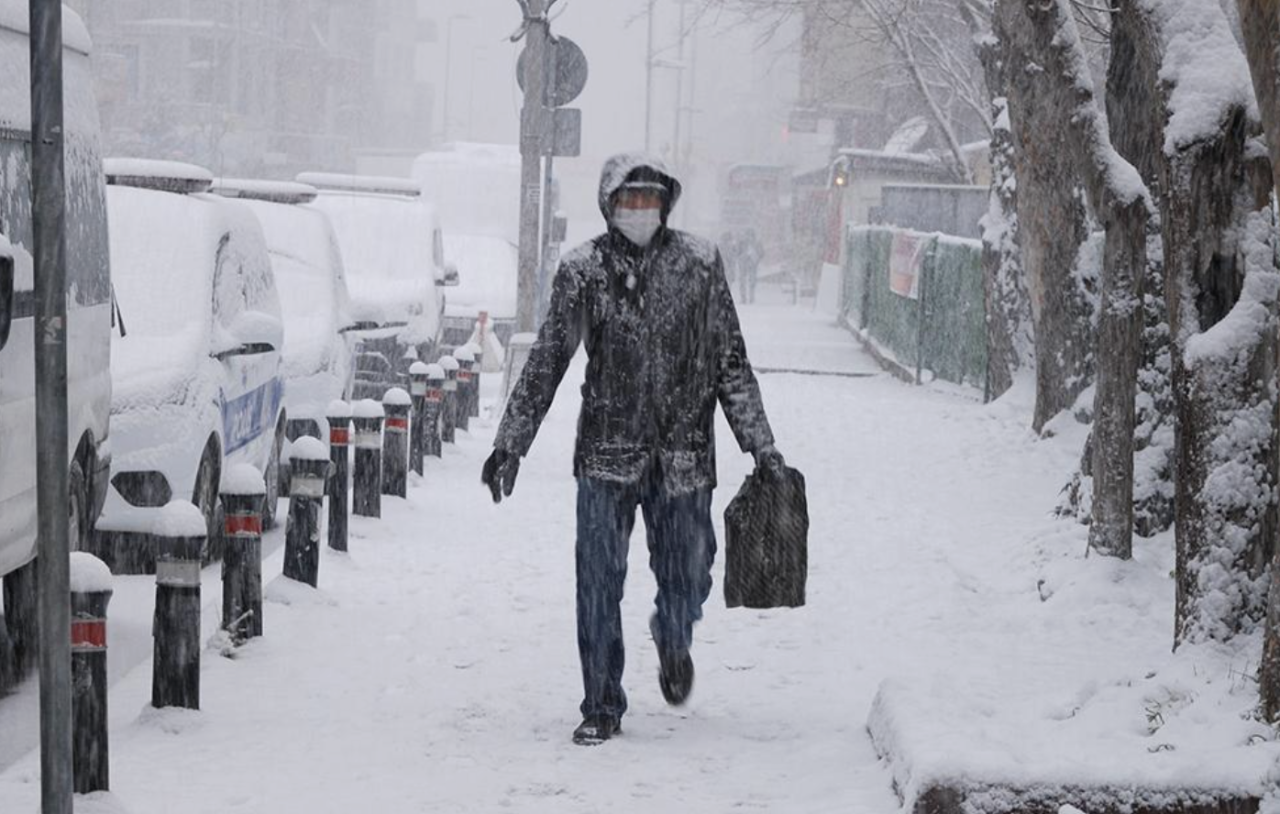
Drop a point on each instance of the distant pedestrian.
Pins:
(653, 308)
(729, 255)
(750, 253)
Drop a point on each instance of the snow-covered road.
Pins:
(436, 668)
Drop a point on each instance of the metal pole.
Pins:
(675, 141)
(48, 196)
(648, 81)
(532, 134)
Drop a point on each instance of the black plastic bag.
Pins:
(767, 541)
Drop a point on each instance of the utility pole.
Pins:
(49, 217)
(675, 141)
(533, 120)
(648, 81)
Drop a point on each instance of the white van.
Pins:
(317, 356)
(89, 321)
(393, 253)
(196, 367)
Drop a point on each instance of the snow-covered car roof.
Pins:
(388, 254)
(488, 269)
(476, 188)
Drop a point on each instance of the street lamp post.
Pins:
(448, 65)
(648, 80)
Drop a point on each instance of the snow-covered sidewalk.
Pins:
(436, 667)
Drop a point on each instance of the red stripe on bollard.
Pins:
(89, 634)
(464, 375)
(397, 423)
(435, 395)
(238, 524)
(339, 435)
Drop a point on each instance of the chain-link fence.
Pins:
(919, 299)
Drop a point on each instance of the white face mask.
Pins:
(638, 225)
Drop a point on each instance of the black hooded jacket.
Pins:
(663, 346)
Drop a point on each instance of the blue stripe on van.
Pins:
(246, 418)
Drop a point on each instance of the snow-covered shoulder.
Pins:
(698, 248)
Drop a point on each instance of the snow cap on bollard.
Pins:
(90, 593)
(179, 519)
(338, 414)
(450, 366)
(418, 375)
(396, 402)
(242, 480)
(181, 532)
(89, 575)
(396, 397)
(310, 461)
(367, 419)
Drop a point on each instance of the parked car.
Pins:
(89, 321)
(476, 187)
(487, 276)
(196, 362)
(316, 361)
(393, 252)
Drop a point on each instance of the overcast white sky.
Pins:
(740, 93)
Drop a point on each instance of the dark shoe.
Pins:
(675, 676)
(596, 729)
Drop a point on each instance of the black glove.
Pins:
(769, 460)
(499, 473)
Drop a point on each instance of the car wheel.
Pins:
(78, 531)
(271, 480)
(206, 500)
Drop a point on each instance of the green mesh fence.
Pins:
(920, 297)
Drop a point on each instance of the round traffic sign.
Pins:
(568, 75)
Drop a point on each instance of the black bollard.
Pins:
(466, 362)
(306, 493)
(433, 406)
(395, 442)
(475, 379)
(418, 373)
(449, 408)
(180, 539)
(90, 593)
(339, 415)
(367, 480)
(466, 357)
(242, 491)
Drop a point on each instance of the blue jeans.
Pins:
(682, 546)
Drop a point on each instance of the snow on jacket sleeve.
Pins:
(738, 390)
(549, 358)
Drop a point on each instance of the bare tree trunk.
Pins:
(1260, 22)
(1121, 202)
(1052, 220)
(1008, 306)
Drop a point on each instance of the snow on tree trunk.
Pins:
(1135, 116)
(1008, 306)
(1046, 32)
(1052, 219)
(1231, 420)
(1260, 23)
(1220, 290)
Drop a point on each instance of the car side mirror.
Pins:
(6, 298)
(251, 333)
(450, 278)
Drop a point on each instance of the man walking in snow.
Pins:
(655, 313)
